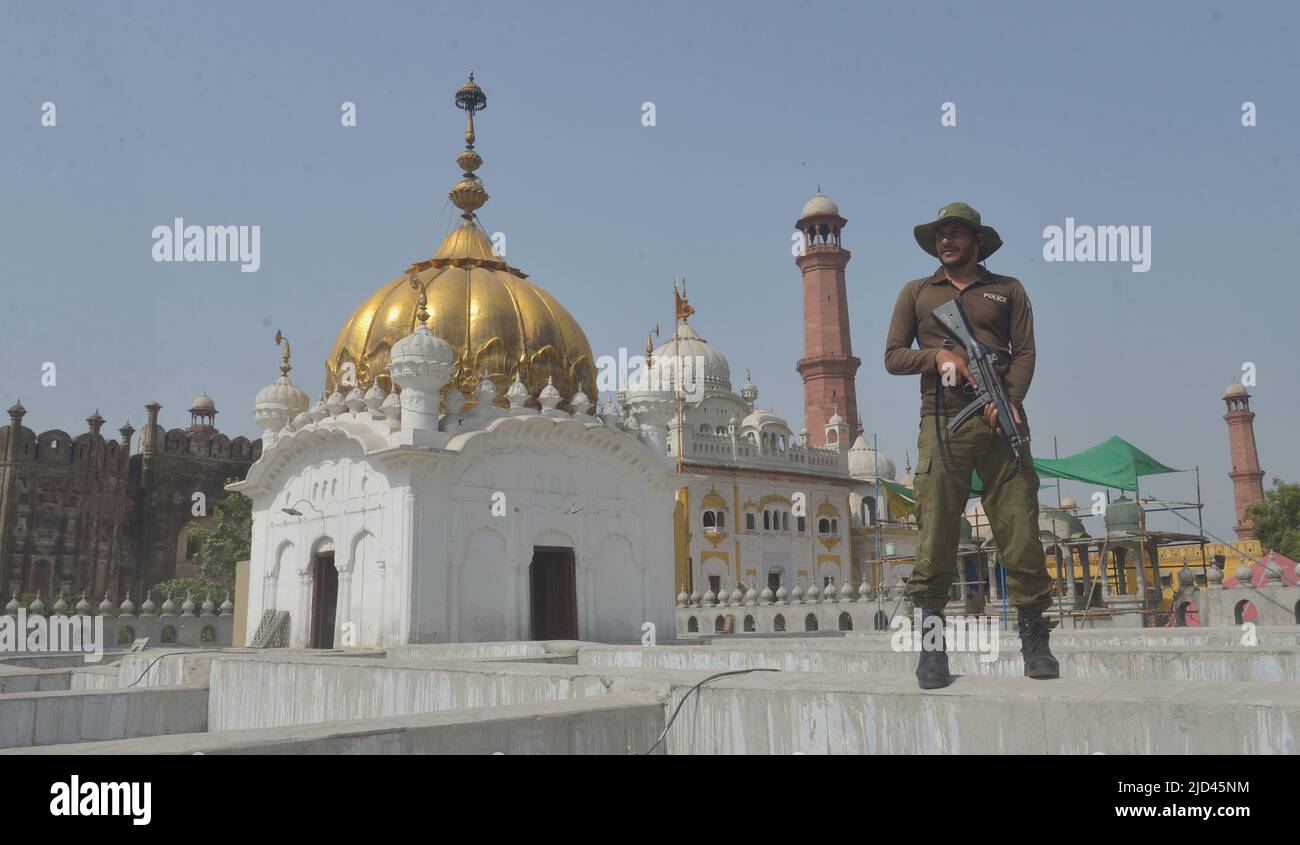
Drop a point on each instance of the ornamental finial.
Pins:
(280, 339)
(468, 194)
(422, 307)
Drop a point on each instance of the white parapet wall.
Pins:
(789, 616)
(1224, 607)
(50, 718)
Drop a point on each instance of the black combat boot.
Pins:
(1034, 631)
(932, 669)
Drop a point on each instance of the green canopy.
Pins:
(1115, 463)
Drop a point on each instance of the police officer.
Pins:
(1000, 316)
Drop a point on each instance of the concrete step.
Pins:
(788, 713)
(14, 680)
(51, 718)
(1155, 663)
(618, 723)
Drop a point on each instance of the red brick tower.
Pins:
(1247, 477)
(828, 365)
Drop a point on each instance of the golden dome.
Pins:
(498, 323)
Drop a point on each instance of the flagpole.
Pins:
(1057, 456)
(875, 471)
(677, 365)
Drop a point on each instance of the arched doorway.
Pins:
(324, 600)
(553, 594)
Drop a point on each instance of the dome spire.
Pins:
(468, 194)
(749, 392)
(277, 405)
(285, 366)
(681, 306)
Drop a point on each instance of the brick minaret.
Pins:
(828, 365)
(1247, 477)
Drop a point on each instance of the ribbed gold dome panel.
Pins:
(497, 322)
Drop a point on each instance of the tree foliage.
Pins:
(178, 589)
(1277, 519)
(227, 543)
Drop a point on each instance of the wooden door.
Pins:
(324, 601)
(553, 594)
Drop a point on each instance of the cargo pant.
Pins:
(1012, 511)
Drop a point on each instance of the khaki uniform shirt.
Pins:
(1000, 317)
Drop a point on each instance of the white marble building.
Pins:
(378, 522)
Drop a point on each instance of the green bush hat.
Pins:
(958, 211)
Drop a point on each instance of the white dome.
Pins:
(281, 394)
(549, 391)
(836, 419)
(866, 463)
(762, 420)
(203, 402)
(716, 370)
(819, 204)
(1234, 389)
(421, 345)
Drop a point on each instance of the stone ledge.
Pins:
(51, 718)
(617, 723)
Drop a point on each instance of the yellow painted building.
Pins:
(1171, 558)
(735, 525)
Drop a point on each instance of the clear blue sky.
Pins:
(229, 114)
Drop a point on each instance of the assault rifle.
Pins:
(988, 384)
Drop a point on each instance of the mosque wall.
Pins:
(80, 513)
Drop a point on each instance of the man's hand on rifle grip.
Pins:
(948, 361)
